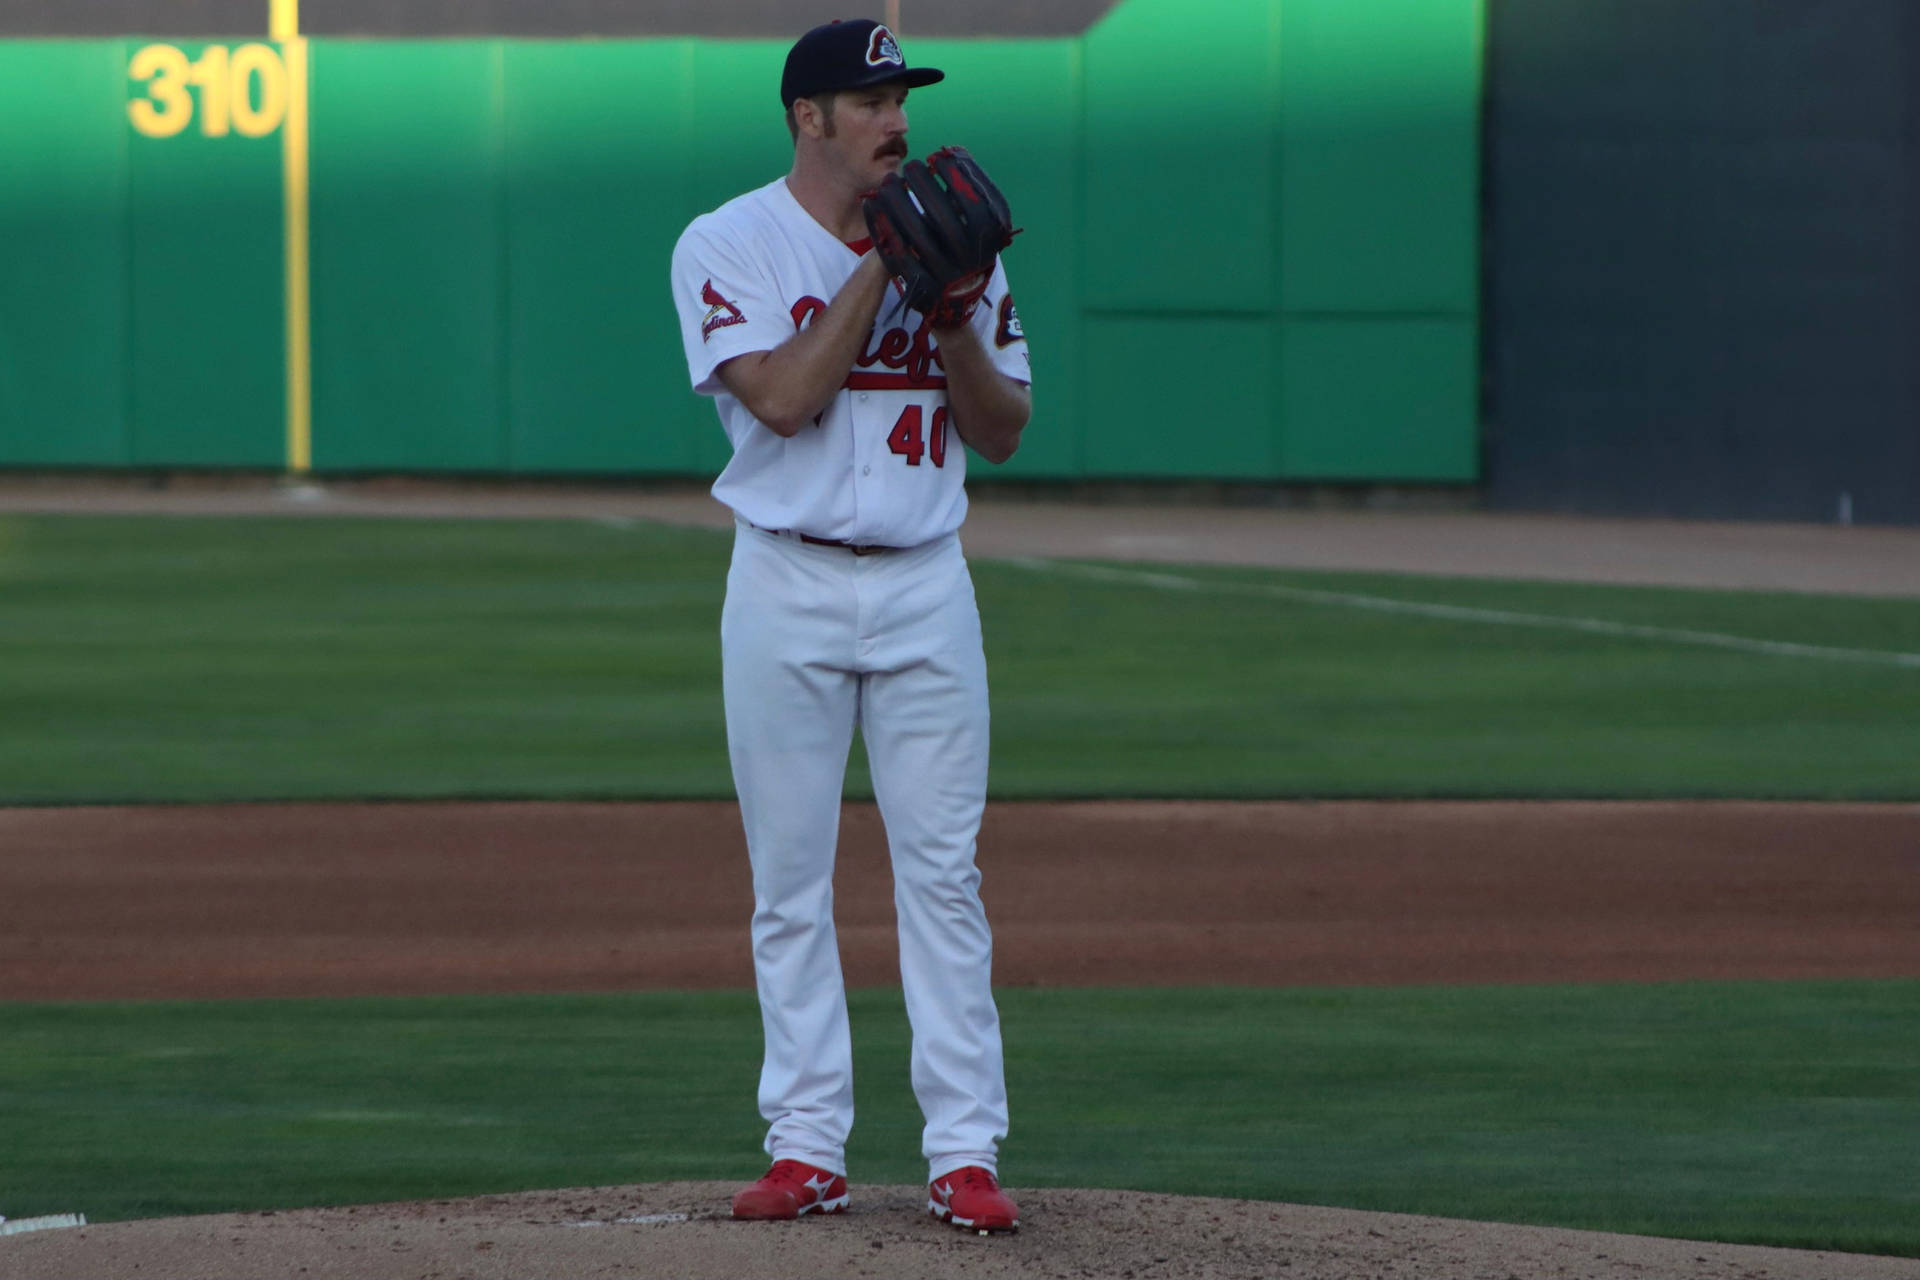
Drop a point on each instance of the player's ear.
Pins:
(813, 116)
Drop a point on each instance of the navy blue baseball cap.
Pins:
(848, 55)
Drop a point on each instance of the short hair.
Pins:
(824, 101)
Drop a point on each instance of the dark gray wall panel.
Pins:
(1700, 284)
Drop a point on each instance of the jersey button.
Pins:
(866, 471)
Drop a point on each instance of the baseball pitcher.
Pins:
(853, 324)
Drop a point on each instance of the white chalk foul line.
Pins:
(51, 1222)
(1465, 613)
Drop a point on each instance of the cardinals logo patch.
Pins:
(720, 312)
(883, 50)
(1009, 331)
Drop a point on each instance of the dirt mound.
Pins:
(680, 1230)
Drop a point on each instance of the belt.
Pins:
(858, 548)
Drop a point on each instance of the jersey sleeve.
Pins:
(997, 323)
(727, 306)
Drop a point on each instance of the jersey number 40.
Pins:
(905, 438)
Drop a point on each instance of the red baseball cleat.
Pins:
(971, 1198)
(790, 1189)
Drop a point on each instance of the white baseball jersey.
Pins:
(881, 464)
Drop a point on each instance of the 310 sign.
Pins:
(241, 90)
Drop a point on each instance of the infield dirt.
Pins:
(341, 900)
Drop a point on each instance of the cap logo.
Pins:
(883, 50)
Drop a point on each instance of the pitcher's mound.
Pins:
(681, 1230)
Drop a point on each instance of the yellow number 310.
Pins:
(227, 81)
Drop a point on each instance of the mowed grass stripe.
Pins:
(1764, 1113)
(1462, 613)
(147, 659)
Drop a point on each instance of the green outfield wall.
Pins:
(1251, 248)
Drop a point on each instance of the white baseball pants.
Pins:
(815, 640)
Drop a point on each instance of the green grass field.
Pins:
(1779, 1113)
(263, 659)
(260, 659)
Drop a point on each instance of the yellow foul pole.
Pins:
(283, 20)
